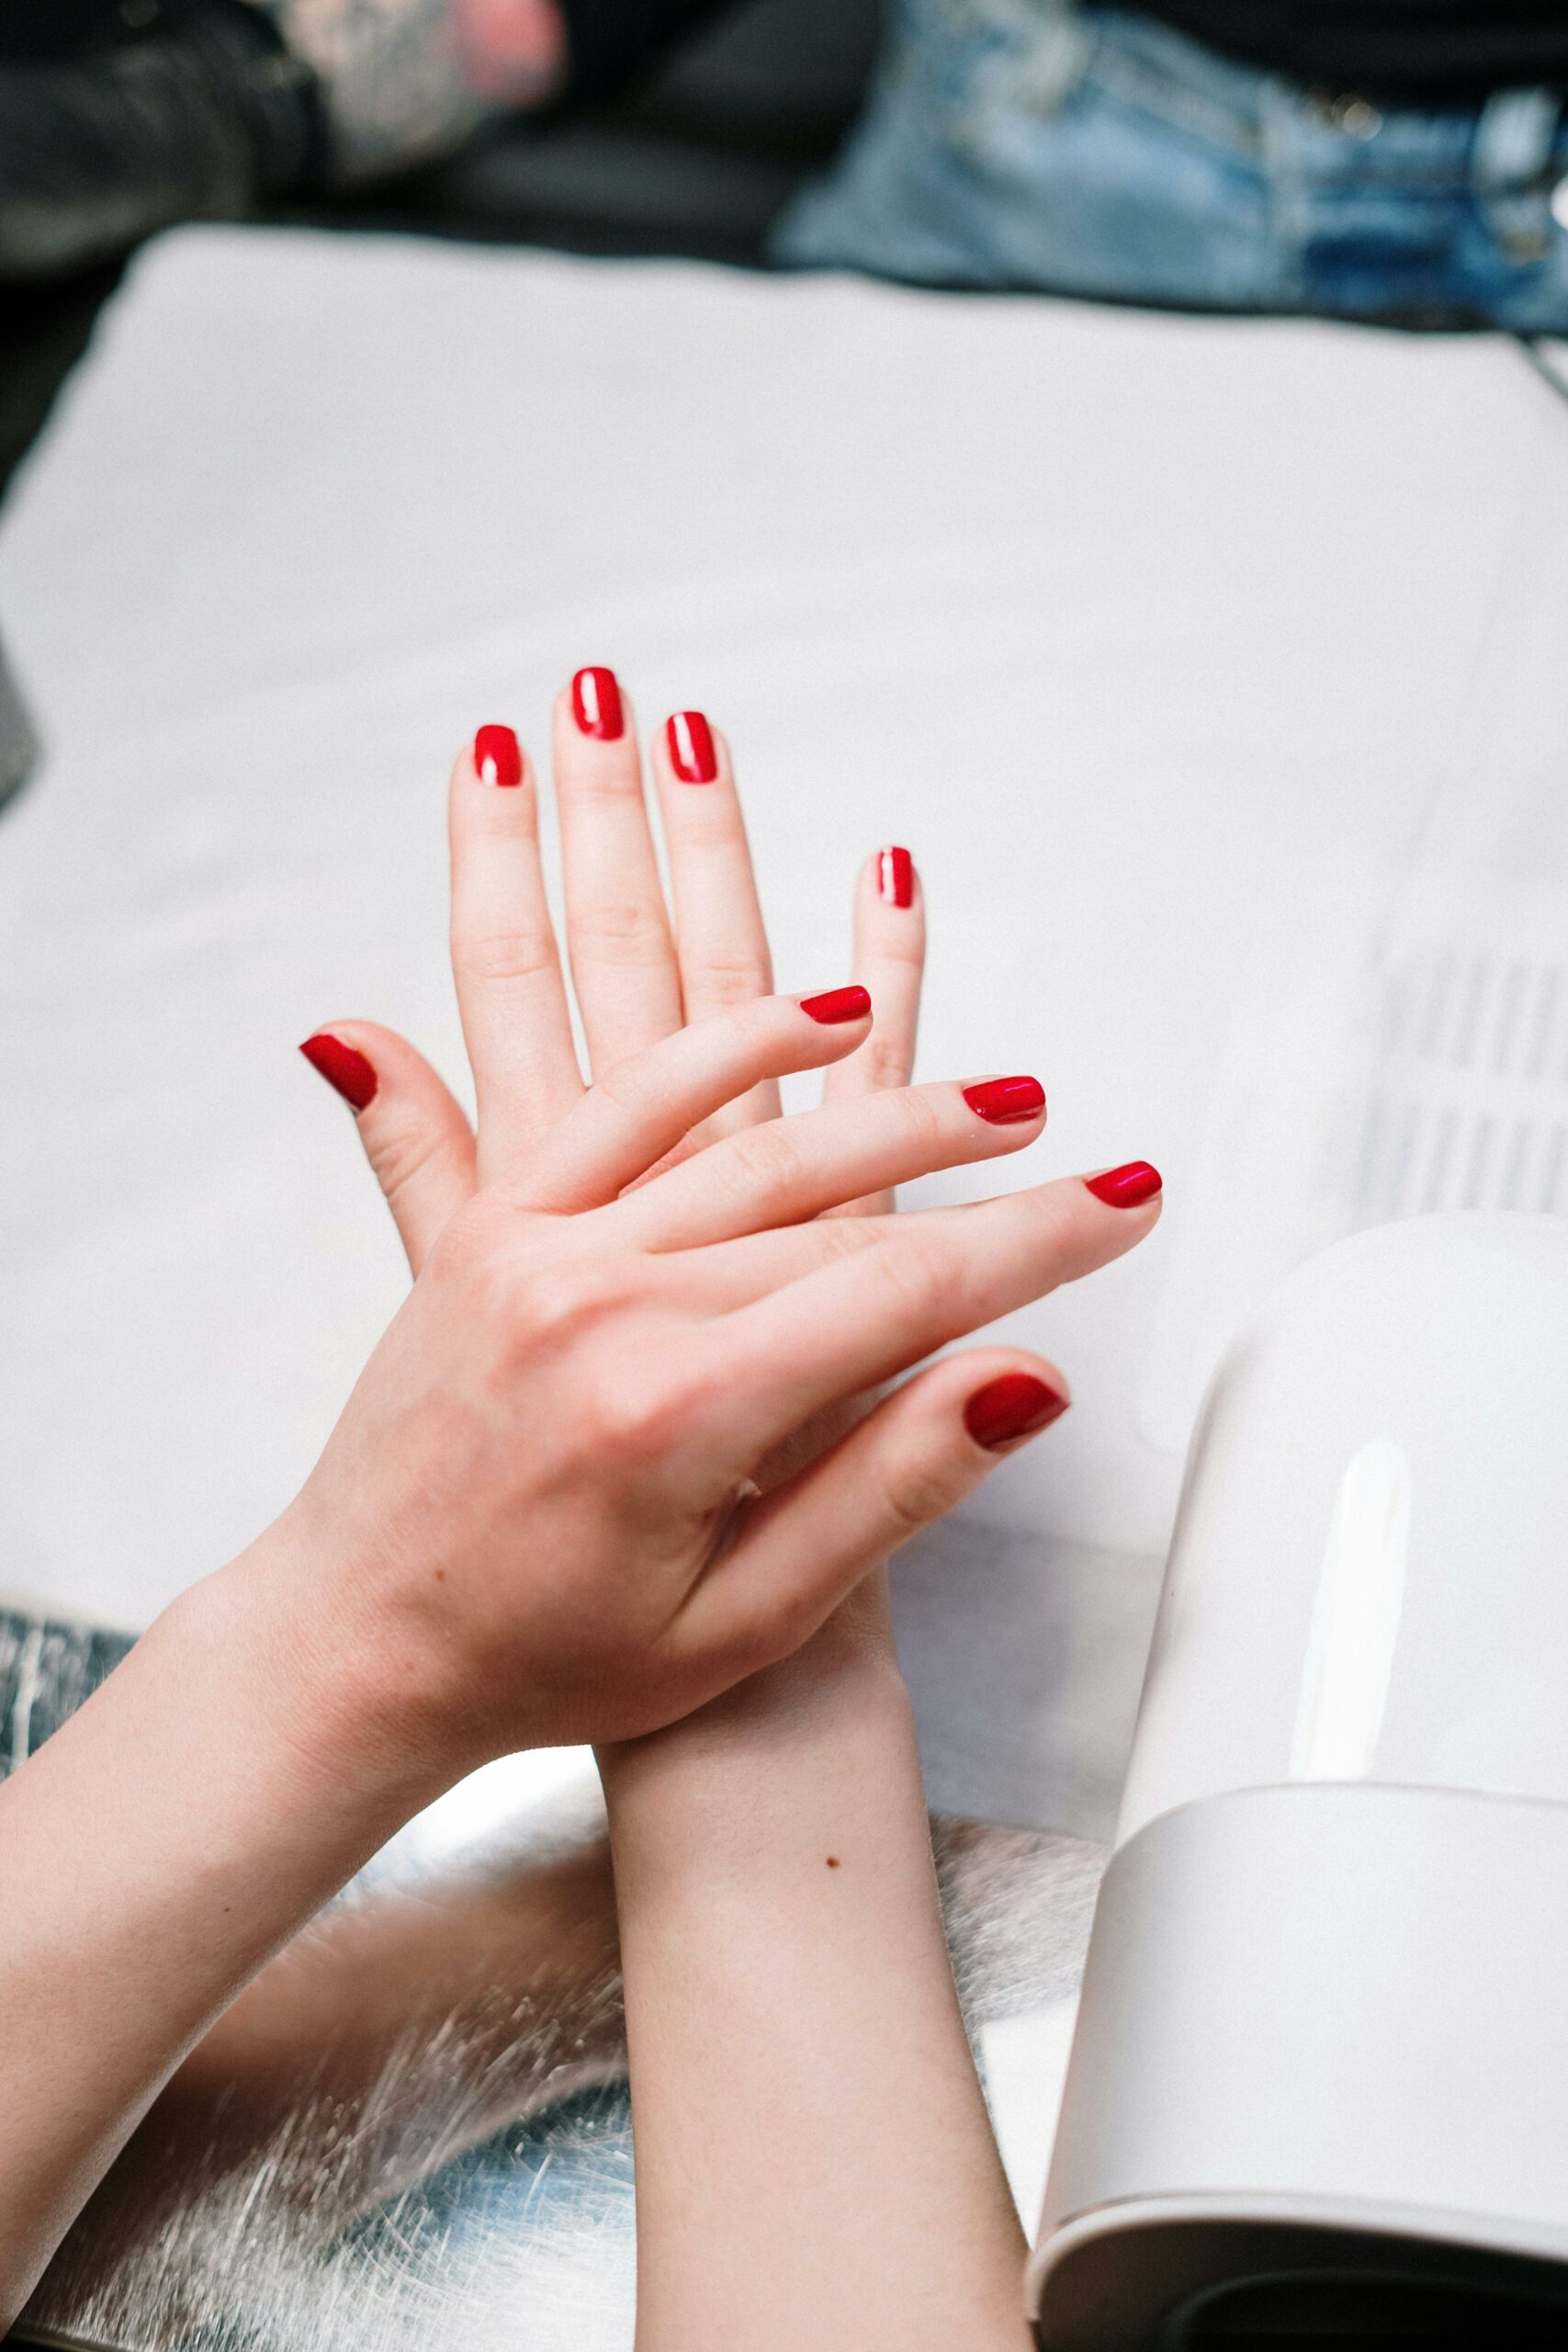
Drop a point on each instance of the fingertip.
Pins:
(1016, 1101)
(492, 775)
(1012, 1406)
(691, 747)
(1132, 1185)
(890, 908)
(495, 757)
(894, 877)
(596, 704)
(833, 1007)
(348, 1071)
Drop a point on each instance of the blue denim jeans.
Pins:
(1092, 150)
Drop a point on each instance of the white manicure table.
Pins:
(1119, 622)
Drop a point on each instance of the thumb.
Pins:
(415, 1137)
(922, 1451)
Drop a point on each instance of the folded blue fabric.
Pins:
(1030, 143)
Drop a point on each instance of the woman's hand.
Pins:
(639, 973)
(631, 1296)
(526, 1527)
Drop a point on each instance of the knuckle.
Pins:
(765, 1160)
(604, 784)
(918, 1487)
(495, 957)
(402, 1155)
(640, 1411)
(559, 1303)
(729, 978)
(635, 1084)
(846, 1237)
(924, 1114)
(915, 1273)
(886, 1061)
(619, 931)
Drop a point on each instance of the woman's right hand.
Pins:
(531, 1508)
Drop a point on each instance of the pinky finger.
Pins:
(921, 1453)
(416, 1138)
(889, 960)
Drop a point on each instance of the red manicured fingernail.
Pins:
(498, 756)
(1006, 1101)
(691, 747)
(1128, 1187)
(596, 704)
(1014, 1406)
(895, 876)
(838, 1005)
(344, 1067)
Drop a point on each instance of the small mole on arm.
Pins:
(832, 1861)
(440, 1576)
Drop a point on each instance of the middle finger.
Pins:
(509, 992)
(622, 957)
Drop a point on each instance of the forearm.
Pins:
(815, 2163)
(154, 1852)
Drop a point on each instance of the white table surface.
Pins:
(1109, 616)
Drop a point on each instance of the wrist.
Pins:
(348, 1705)
(805, 1721)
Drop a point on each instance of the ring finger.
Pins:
(720, 939)
(795, 1169)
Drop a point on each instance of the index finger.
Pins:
(872, 1315)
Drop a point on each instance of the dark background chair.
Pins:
(698, 159)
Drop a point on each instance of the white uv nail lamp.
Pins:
(1320, 2075)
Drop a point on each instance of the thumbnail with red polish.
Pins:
(896, 877)
(498, 756)
(596, 704)
(692, 753)
(1128, 1187)
(341, 1065)
(1006, 1102)
(1012, 1406)
(838, 1005)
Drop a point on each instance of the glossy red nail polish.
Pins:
(896, 877)
(1009, 1407)
(838, 1005)
(341, 1065)
(1006, 1101)
(1128, 1187)
(498, 756)
(596, 704)
(692, 753)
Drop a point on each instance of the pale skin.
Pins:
(629, 1304)
(815, 2163)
